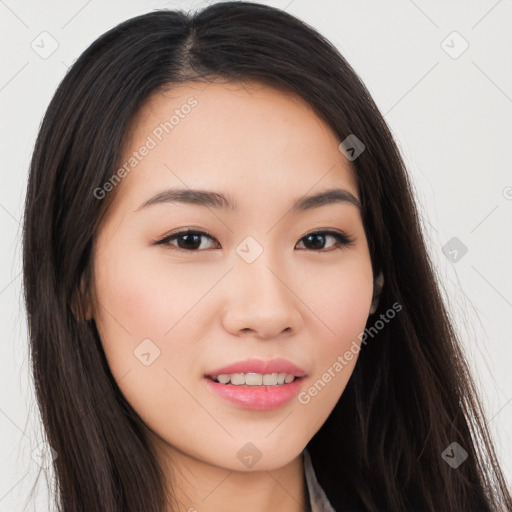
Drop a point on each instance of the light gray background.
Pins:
(451, 118)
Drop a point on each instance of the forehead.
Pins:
(246, 136)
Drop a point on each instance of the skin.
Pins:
(265, 149)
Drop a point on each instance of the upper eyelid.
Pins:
(205, 233)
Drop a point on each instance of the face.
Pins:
(263, 278)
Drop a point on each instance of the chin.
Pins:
(254, 456)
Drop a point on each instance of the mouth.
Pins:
(256, 384)
(254, 379)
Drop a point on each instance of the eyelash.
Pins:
(342, 239)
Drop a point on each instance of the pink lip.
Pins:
(261, 398)
(277, 365)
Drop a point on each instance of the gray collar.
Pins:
(318, 500)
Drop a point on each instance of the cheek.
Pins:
(147, 297)
(340, 297)
(140, 301)
(143, 299)
(127, 298)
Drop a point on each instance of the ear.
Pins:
(81, 304)
(378, 283)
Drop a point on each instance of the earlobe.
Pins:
(378, 283)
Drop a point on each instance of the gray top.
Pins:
(318, 501)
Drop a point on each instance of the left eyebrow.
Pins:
(220, 201)
(331, 196)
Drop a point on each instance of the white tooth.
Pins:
(253, 379)
(270, 379)
(238, 379)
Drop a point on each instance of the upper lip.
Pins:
(277, 365)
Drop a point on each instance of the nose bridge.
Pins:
(259, 268)
(262, 300)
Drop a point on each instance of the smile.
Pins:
(255, 379)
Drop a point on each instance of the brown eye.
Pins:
(316, 241)
(186, 240)
(192, 240)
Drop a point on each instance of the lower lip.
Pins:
(259, 398)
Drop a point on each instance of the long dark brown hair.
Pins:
(410, 395)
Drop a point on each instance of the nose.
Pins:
(260, 301)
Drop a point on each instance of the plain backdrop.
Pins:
(441, 74)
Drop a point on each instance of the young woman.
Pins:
(230, 300)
